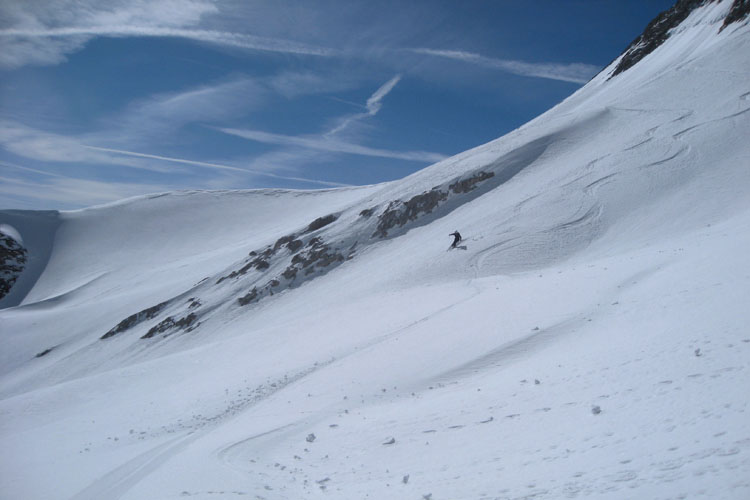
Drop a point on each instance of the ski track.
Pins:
(512, 351)
(233, 453)
(119, 481)
(671, 423)
(123, 478)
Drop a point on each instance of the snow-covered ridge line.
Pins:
(315, 250)
(186, 193)
(590, 341)
(661, 27)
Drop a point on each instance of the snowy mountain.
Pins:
(588, 338)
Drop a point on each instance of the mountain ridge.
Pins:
(590, 341)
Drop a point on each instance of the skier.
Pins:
(456, 238)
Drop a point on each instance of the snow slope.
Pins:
(589, 340)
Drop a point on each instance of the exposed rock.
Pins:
(44, 352)
(260, 263)
(320, 222)
(294, 245)
(466, 185)
(184, 323)
(658, 30)
(739, 11)
(13, 257)
(315, 241)
(251, 296)
(319, 255)
(290, 273)
(135, 319)
(367, 212)
(284, 240)
(312, 255)
(400, 212)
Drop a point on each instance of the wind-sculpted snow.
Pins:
(319, 248)
(587, 340)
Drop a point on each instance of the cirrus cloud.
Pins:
(572, 72)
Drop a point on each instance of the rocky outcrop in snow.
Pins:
(13, 257)
(659, 30)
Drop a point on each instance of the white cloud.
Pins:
(146, 120)
(61, 192)
(42, 32)
(374, 103)
(35, 188)
(323, 143)
(214, 166)
(39, 145)
(327, 142)
(572, 72)
(291, 84)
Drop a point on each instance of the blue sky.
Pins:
(106, 99)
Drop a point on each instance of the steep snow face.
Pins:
(587, 339)
(660, 29)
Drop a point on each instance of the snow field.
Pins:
(590, 341)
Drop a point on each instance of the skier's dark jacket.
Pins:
(456, 238)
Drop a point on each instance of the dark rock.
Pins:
(656, 33)
(44, 352)
(135, 319)
(184, 323)
(399, 212)
(466, 185)
(249, 297)
(294, 245)
(13, 258)
(320, 222)
(319, 255)
(260, 264)
(283, 241)
(314, 242)
(367, 212)
(739, 11)
(290, 273)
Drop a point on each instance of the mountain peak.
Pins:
(660, 29)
